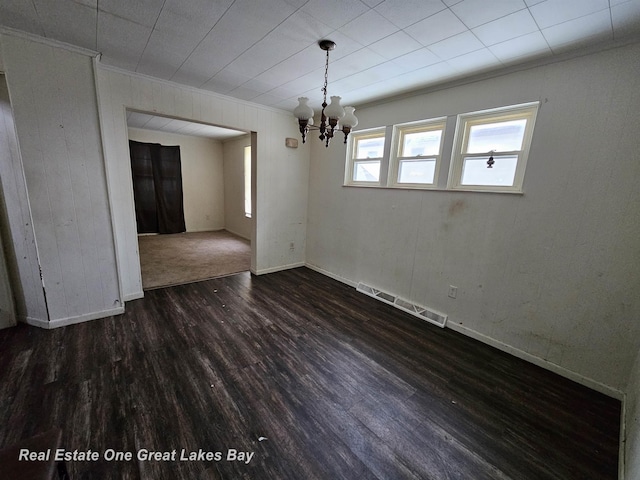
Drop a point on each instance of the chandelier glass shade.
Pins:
(333, 117)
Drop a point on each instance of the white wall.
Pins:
(551, 275)
(8, 143)
(281, 174)
(202, 176)
(7, 308)
(53, 97)
(17, 225)
(235, 219)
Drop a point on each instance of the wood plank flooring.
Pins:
(314, 379)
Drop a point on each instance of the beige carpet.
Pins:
(189, 257)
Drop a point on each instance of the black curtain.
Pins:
(157, 187)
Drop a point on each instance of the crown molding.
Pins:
(48, 41)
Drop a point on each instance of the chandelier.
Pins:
(331, 113)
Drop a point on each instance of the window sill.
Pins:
(433, 189)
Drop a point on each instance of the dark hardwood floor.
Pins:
(311, 378)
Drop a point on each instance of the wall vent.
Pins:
(419, 311)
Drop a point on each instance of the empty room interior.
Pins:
(429, 212)
(212, 235)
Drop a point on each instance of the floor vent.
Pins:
(379, 294)
(424, 313)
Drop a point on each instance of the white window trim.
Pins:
(351, 160)
(394, 164)
(247, 174)
(466, 120)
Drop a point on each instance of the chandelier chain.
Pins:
(326, 78)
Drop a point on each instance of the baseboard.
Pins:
(36, 322)
(563, 372)
(278, 269)
(63, 322)
(200, 230)
(622, 451)
(331, 275)
(216, 229)
(133, 296)
(196, 230)
(237, 234)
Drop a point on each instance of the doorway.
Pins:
(217, 237)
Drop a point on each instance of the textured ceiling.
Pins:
(266, 51)
(182, 127)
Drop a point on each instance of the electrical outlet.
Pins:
(453, 291)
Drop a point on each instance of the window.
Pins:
(490, 149)
(365, 155)
(247, 182)
(487, 153)
(417, 151)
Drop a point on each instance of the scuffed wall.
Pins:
(550, 275)
(54, 103)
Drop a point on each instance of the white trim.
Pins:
(395, 159)
(197, 230)
(622, 449)
(63, 322)
(278, 269)
(130, 206)
(326, 273)
(36, 322)
(351, 158)
(563, 372)
(404, 187)
(105, 164)
(465, 121)
(516, 352)
(236, 233)
(133, 296)
(48, 41)
(247, 173)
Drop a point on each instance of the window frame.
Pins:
(352, 144)
(246, 168)
(465, 121)
(399, 131)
